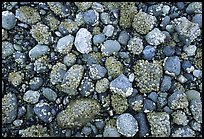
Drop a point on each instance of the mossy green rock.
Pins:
(78, 113)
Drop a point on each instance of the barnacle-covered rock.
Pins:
(179, 117)
(78, 113)
(68, 26)
(135, 45)
(97, 71)
(16, 78)
(52, 22)
(119, 103)
(83, 6)
(102, 85)
(148, 75)
(86, 87)
(198, 58)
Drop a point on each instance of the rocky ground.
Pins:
(102, 69)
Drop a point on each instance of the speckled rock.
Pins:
(198, 58)
(71, 79)
(136, 102)
(27, 15)
(148, 75)
(159, 124)
(193, 94)
(143, 22)
(83, 6)
(119, 103)
(41, 64)
(52, 22)
(179, 117)
(135, 45)
(8, 20)
(38, 50)
(123, 37)
(7, 49)
(91, 17)
(196, 109)
(173, 65)
(35, 83)
(127, 125)
(86, 87)
(102, 85)
(143, 124)
(148, 52)
(68, 26)
(9, 108)
(155, 37)
(83, 41)
(16, 78)
(49, 94)
(59, 9)
(178, 100)
(197, 19)
(110, 47)
(190, 50)
(184, 131)
(110, 132)
(97, 71)
(64, 44)
(69, 59)
(78, 113)
(166, 83)
(149, 106)
(122, 86)
(31, 96)
(194, 7)
(108, 30)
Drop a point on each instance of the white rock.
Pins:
(190, 50)
(197, 73)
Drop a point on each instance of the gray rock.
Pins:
(195, 125)
(168, 50)
(123, 38)
(127, 125)
(161, 102)
(7, 49)
(180, 5)
(194, 7)
(143, 124)
(155, 37)
(173, 65)
(110, 132)
(31, 96)
(135, 45)
(197, 73)
(2, 86)
(149, 106)
(166, 83)
(83, 41)
(69, 59)
(196, 109)
(153, 96)
(86, 130)
(165, 22)
(49, 94)
(64, 44)
(90, 17)
(35, 83)
(38, 50)
(97, 71)
(178, 100)
(100, 124)
(19, 57)
(110, 47)
(148, 52)
(122, 86)
(43, 111)
(156, 9)
(184, 131)
(186, 64)
(179, 117)
(86, 87)
(108, 30)
(190, 50)
(197, 19)
(167, 110)
(8, 20)
(99, 38)
(105, 18)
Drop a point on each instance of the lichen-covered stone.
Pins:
(83, 6)
(196, 109)
(114, 67)
(102, 85)
(178, 100)
(78, 113)
(119, 103)
(68, 26)
(148, 75)
(16, 78)
(41, 33)
(135, 45)
(7, 49)
(72, 78)
(34, 131)
(198, 58)
(143, 22)
(9, 108)
(28, 15)
(159, 124)
(110, 129)
(179, 117)
(4, 34)
(52, 22)
(69, 59)
(58, 8)
(97, 71)
(184, 131)
(64, 44)
(155, 37)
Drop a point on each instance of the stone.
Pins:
(38, 51)
(196, 109)
(194, 7)
(99, 38)
(7, 49)
(143, 124)
(97, 71)
(119, 103)
(168, 51)
(31, 96)
(155, 37)
(172, 64)
(16, 78)
(108, 30)
(149, 106)
(69, 59)
(197, 19)
(166, 83)
(135, 45)
(179, 117)
(8, 20)
(49, 94)
(102, 85)
(148, 52)
(153, 96)
(178, 100)
(184, 131)
(123, 37)
(64, 44)
(110, 47)
(190, 50)
(91, 17)
(35, 83)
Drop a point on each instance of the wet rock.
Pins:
(38, 50)
(123, 38)
(155, 37)
(49, 94)
(196, 109)
(64, 44)
(97, 71)
(110, 47)
(143, 124)
(173, 65)
(184, 131)
(135, 45)
(166, 83)
(31, 96)
(178, 100)
(8, 20)
(7, 49)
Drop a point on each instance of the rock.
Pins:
(108, 30)
(186, 64)
(173, 65)
(155, 37)
(159, 124)
(148, 52)
(17, 123)
(184, 131)
(35, 83)
(195, 125)
(168, 51)
(16, 78)
(179, 117)
(194, 7)
(49, 94)
(123, 37)
(122, 86)
(190, 50)
(38, 51)
(68, 27)
(43, 111)
(86, 87)
(167, 109)
(97, 71)
(98, 7)
(143, 22)
(166, 83)
(153, 96)
(9, 108)
(182, 79)
(143, 124)
(83, 41)
(180, 5)
(8, 20)
(135, 45)
(105, 18)
(136, 102)
(91, 17)
(119, 103)
(27, 15)
(7, 49)
(155, 9)
(165, 21)
(165, 9)
(102, 85)
(78, 113)
(71, 79)
(197, 19)
(197, 73)
(64, 44)
(97, 39)
(110, 132)
(83, 6)
(31, 96)
(86, 130)
(148, 106)
(127, 125)
(110, 47)
(100, 124)
(69, 59)
(196, 109)
(178, 100)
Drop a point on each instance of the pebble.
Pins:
(135, 45)
(153, 96)
(123, 37)
(194, 7)
(148, 106)
(98, 7)
(180, 5)
(127, 125)
(49, 94)
(186, 64)
(102, 85)
(31, 96)
(165, 21)
(167, 109)
(110, 47)
(17, 122)
(179, 117)
(90, 17)
(197, 19)
(86, 130)
(173, 65)
(97, 71)
(105, 18)
(143, 124)
(182, 79)
(8, 20)
(111, 132)
(165, 9)
(7, 49)
(100, 124)
(178, 100)
(99, 38)
(189, 76)
(69, 59)
(148, 52)
(155, 37)
(190, 50)
(21, 111)
(64, 44)
(43, 111)
(184, 131)
(108, 30)
(197, 73)
(35, 83)
(166, 83)
(122, 86)
(131, 77)
(196, 109)
(86, 87)
(38, 50)
(195, 125)
(82, 41)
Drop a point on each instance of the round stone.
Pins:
(155, 37)
(64, 44)
(108, 30)
(90, 17)
(8, 20)
(49, 94)
(31, 96)
(148, 52)
(99, 38)
(123, 38)
(110, 47)
(173, 65)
